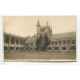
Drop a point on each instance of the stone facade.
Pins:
(44, 34)
(64, 42)
(12, 42)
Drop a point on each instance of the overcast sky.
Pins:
(26, 25)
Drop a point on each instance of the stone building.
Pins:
(44, 34)
(64, 42)
(13, 42)
(30, 43)
(42, 40)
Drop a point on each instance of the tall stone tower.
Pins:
(43, 36)
(38, 26)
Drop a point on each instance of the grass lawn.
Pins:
(38, 55)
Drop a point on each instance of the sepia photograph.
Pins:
(40, 38)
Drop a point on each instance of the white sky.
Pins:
(26, 25)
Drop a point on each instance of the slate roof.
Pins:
(64, 35)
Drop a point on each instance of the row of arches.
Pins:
(63, 42)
